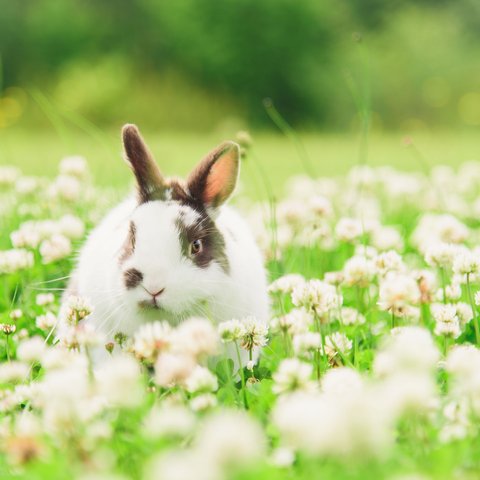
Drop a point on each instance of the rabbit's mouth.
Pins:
(150, 305)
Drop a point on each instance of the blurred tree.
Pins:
(239, 52)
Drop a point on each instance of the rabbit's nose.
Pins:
(157, 293)
(154, 292)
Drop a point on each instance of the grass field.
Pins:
(38, 153)
(370, 362)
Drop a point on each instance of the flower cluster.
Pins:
(371, 351)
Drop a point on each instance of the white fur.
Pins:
(209, 291)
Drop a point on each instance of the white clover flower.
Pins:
(201, 380)
(397, 292)
(349, 229)
(81, 335)
(75, 166)
(337, 343)
(305, 343)
(46, 321)
(55, 248)
(8, 175)
(196, 337)
(203, 402)
(321, 206)
(464, 361)
(441, 255)
(452, 292)
(296, 321)
(458, 425)
(231, 330)
(44, 299)
(172, 369)
(59, 357)
(436, 229)
(8, 328)
(335, 425)
(75, 309)
(389, 261)
(427, 283)
(286, 284)
(351, 316)
(119, 381)
(16, 314)
(14, 260)
(25, 238)
(292, 375)
(169, 421)
(66, 187)
(231, 438)
(409, 391)
(151, 339)
(31, 350)
(334, 278)
(292, 212)
(464, 313)
(182, 465)
(255, 333)
(27, 424)
(71, 226)
(321, 297)
(386, 238)
(27, 185)
(13, 371)
(282, 457)
(342, 381)
(466, 263)
(359, 271)
(447, 321)
(406, 349)
(366, 251)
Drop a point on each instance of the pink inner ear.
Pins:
(220, 180)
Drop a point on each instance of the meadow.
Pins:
(370, 362)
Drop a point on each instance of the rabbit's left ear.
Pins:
(150, 182)
(214, 179)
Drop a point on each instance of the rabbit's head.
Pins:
(174, 256)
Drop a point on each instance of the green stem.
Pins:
(355, 351)
(393, 319)
(89, 364)
(7, 348)
(242, 376)
(445, 346)
(444, 287)
(472, 305)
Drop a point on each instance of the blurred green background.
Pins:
(192, 72)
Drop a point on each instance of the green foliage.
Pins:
(152, 60)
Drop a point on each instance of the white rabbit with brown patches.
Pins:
(173, 250)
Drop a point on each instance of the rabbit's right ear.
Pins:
(150, 181)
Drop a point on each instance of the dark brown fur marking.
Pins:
(213, 243)
(132, 278)
(129, 245)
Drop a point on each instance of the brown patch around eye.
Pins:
(129, 244)
(212, 242)
(132, 278)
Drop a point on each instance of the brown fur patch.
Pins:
(132, 278)
(129, 245)
(213, 243)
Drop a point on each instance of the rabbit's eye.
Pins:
(196, 247)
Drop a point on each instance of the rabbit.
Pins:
(172, 250)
